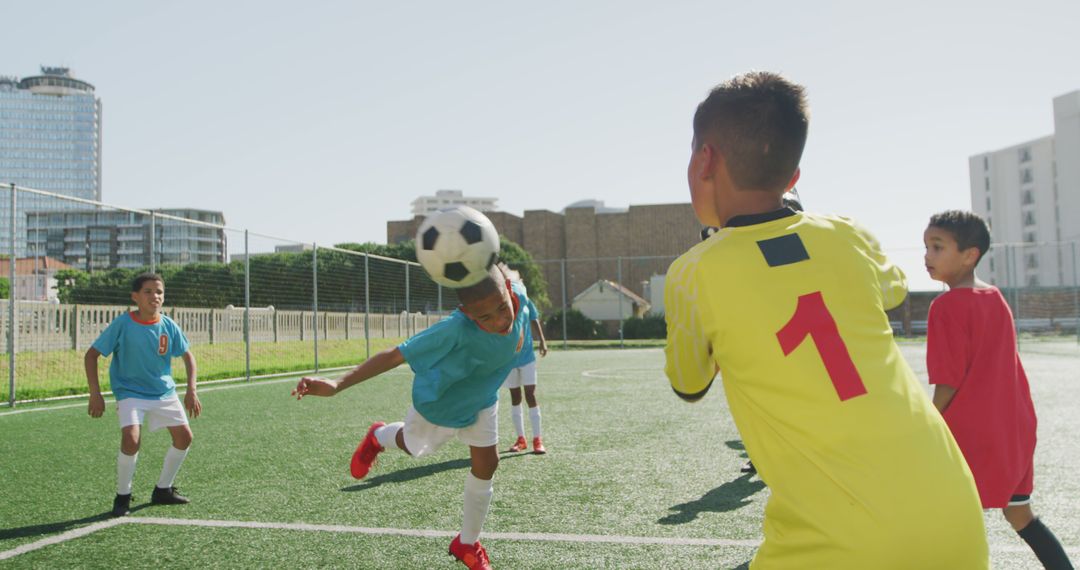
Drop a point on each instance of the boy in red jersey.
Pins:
(980, 385)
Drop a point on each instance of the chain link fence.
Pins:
(255, 305)
(251, 305)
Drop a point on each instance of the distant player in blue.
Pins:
(459, 364)
(523, 375)
(143, 344)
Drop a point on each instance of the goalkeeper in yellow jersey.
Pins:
(789, 308)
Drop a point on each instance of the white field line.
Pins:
(62, 537)
(593, 538)
(180, 392)
(420, 533)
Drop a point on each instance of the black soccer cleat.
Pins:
(748, 467)
(121, 505)
(168, 496)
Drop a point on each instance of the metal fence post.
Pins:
(439, 289)
(315, 300)
(618, 272)
(12, 329)
(408, 317)
(562, 263)
(367, 309)
(247, 309)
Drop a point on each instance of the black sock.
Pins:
(1046, 545)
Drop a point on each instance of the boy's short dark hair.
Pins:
(758, 121)
(137, 283)
(486, 287)
(967, 228)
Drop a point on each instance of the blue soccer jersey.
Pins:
(527, 353)
(142, 364)
(459, 367)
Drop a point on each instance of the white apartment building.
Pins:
(1030, 195)
(425, 205)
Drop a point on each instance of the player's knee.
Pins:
(129, 444)
(182, 438)
(1019, 516)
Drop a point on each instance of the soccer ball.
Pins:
(457, 246)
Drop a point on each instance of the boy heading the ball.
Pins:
(789, 307)
(459, 365)
(980, 384)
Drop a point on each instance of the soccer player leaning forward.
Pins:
(789, 308)
(460, 363)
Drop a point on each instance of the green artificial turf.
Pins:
(626, 458)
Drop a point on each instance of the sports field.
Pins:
(634, 478)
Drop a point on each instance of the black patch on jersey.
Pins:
(783, 250)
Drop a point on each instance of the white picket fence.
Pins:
(46, 327)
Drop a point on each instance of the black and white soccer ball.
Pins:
(457, 246)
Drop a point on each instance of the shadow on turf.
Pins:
(737, 445)
(56, 527)
(418, 472)
(727, 497)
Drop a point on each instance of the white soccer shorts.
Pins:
(156, 413)
(521, 376)
(424, 438)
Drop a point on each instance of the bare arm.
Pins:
(96, 406)
(382, 362)
(191, 399)
(538, 333)
(942, 396)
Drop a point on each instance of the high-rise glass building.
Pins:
(50, 139)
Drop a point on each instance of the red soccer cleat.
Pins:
(538, 446)
(366, 452)
(519, 445)
(472, 556)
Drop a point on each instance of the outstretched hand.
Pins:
(314, 386)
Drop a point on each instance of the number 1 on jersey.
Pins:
(812, 318)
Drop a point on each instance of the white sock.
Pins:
(125, 472)
(534, 419)
(477, 500)
(174, 458)
(519, 421)
(387, 435)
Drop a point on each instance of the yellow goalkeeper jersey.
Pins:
(790, 309)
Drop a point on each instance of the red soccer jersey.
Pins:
(971, 346)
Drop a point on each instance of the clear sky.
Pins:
(320, 121)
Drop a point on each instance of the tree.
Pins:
(521, 261)
(578, 326)
(5, 288)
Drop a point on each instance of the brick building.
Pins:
(647, 238)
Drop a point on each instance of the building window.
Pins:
(1026, 176)
(1028, 197)
(986, 163)
(1029, 218)
(1025, 155)
(1029, 237)
(1032, 261)
(1033, 280)
(987, 203)
(987, 181)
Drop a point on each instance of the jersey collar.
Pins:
(135, 317)
(752, 219)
